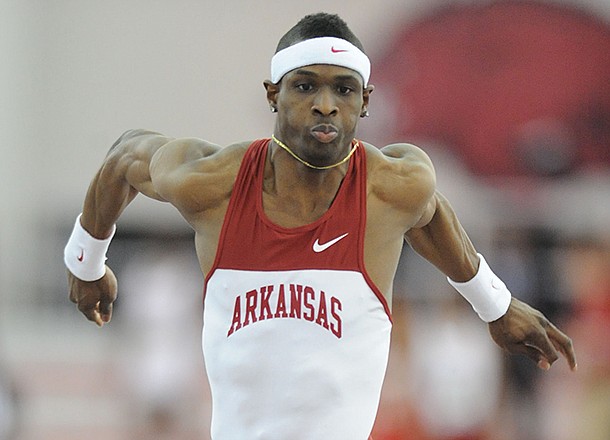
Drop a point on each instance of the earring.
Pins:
(273, 109)
(364, 114)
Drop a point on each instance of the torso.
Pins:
(390, 212)
(305, 309)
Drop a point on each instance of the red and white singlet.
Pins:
(296, 336)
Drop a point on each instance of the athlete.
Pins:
(299, 237)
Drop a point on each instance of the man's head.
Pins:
(319, 88)
(318, 25)
(320, 39)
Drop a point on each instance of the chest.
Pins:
(296, 209)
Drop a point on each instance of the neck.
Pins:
(309, 165)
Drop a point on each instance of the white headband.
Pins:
(323, 50)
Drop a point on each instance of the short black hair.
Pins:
(318, 25)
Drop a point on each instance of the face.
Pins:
(318, 110)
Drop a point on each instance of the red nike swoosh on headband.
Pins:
(333, 50)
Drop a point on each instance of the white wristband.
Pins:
(485, 292)
(85, 255)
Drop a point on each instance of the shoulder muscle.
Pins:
(403, 175)
(195, 175)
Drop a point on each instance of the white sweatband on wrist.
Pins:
(485, 292)
(322, 50)
(85, 255)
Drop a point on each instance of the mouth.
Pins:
(324, 133)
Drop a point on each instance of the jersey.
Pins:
(295, 334)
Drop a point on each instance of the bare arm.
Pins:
(124, 173)
(522, 330)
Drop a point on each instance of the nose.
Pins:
(324, 103)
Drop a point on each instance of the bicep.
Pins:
(178, 170)
(175, 161)
(410, 181)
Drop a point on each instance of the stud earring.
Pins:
(273, 109)
(364, 114)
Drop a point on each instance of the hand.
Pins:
(94, 298)
(524, 330)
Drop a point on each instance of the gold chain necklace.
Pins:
(315, 167)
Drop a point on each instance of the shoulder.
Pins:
(215, 159)
(400, 156)
(192, 150)
(204, 174)
(401, 175)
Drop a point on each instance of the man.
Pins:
(299, 238)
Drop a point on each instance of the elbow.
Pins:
(129, 134)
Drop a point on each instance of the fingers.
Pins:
(99, 312)
(105, 310)
(72, 287)
(108, 297)
(94, 299)
(541, 342)
(91, 312)
(73, 297)
(538, 347)
(524, 330)
(533, 353)
(550, 342)
(564, 344)
(544, 345)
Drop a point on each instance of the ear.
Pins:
(366, 93)
(272, 91)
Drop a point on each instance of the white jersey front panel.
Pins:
(294, 354)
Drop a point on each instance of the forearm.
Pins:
(445, 244)
(514, 325)
(121, 177)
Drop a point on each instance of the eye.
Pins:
(344, 90)
(304, 87)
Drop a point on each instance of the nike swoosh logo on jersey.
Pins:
(496, 285)
(317, 247)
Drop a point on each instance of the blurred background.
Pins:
(511, 99)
